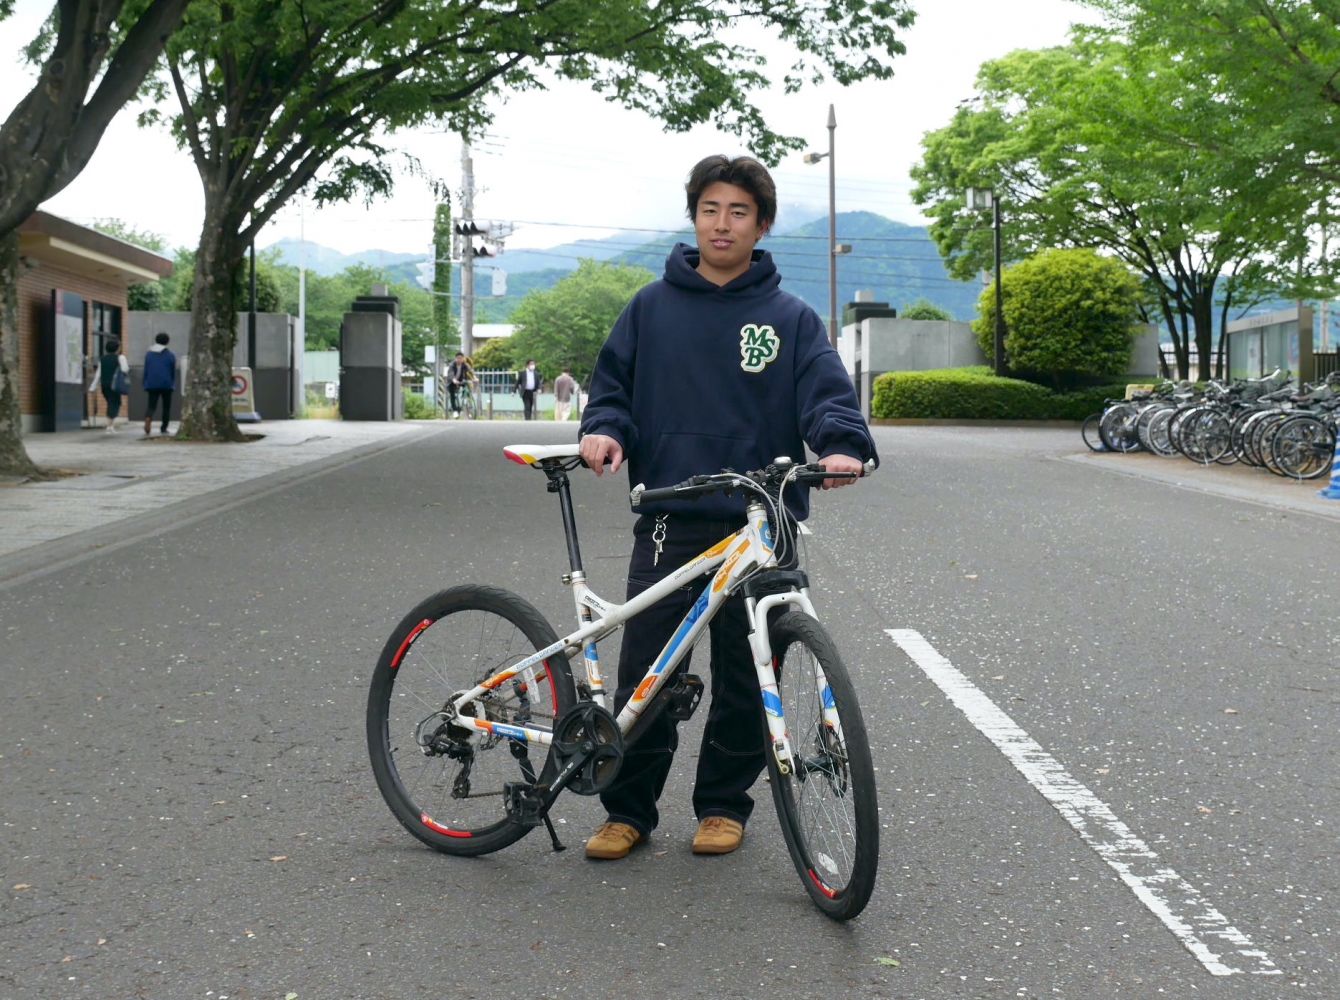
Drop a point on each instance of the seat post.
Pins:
(558, 483)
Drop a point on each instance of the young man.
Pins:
(529, 383)
(459, 374)
(565, 386)
(713, 366)
(160, 379)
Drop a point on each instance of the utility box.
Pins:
(370, 365)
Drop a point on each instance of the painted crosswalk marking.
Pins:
(1193, 920)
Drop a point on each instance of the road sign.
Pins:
(244, 398)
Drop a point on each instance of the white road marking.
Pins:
(1192, 919)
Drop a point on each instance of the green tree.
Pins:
(152, 296)
(497, 354)
(1274, 63)
(1069, 315)
(280, 95)
(1068, 139)
(565, 326)
(94, 56)
(925, 309)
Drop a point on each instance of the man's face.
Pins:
(727, 227)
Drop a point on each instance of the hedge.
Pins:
(976, 394)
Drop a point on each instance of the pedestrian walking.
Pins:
(565, 387)
(529, 382)
(113, 379)
(160, 379)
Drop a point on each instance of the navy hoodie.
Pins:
(697, 377)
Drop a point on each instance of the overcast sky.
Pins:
(584, 166)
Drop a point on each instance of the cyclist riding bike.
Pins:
(460, 375)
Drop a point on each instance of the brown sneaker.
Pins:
(612, 841)
(717, 835)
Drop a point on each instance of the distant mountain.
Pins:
(897, 262)
(326, 261)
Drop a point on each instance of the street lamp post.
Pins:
(833, 248)
(984, 198)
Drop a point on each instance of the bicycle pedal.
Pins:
(683, 697)
(522, 803)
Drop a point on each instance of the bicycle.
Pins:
(475, 669)
(467, 399)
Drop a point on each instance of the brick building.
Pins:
(72, 300)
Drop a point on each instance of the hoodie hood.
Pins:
(681, 270)
(158, 347)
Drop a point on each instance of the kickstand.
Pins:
(553, 834)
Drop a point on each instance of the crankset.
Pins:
(587, 749)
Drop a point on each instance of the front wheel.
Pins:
(826, 804)
(445, 782)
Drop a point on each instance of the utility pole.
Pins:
(467, 254)
(832, 232)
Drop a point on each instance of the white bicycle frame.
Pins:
(734, 558)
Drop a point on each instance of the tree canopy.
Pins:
(1069, 139)
(280, 95)
(94, 56)
(1275, 63)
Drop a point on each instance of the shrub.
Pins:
(418, 407)
(1069, 315)
(925, 309)
(976, 394)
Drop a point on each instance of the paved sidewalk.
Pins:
(127, 476)
(1237, 481)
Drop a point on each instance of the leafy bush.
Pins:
(1069, 314)
(418, 407)
(925, 309)
(976, 394)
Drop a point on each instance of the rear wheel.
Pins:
(1304, 447)
(826, 804)
(1089, 432)
(442, 781)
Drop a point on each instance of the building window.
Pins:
(106, 324)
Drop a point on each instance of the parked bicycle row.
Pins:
(1267, 423)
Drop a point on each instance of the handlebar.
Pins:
(771, 479)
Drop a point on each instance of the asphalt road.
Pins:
(188, 810)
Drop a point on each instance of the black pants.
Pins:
(528, 401)
(113, 402)
(154, 396)
(732, 753)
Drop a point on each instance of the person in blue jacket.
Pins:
(711, 367)
(160, 378)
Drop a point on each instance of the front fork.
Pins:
(761, 646)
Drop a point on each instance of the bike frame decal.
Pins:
(409, 641)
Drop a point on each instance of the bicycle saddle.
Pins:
(534, 454)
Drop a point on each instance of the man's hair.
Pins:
(162, 338)
(744, 172)
(460, 354)
(112, 347)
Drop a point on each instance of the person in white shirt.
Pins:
(113, 378)
(529, 383)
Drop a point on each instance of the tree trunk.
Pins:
(1202, 317)
(14, 460)
(207, 403)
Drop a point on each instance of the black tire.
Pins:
(1117, 428)
(1304, 447)
(1089, 432)
(468, 407)
(826, 806)
(448, 644)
